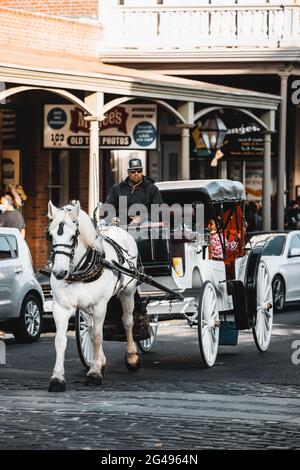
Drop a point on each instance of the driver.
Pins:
(138, 188)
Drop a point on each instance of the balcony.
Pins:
(145, 29)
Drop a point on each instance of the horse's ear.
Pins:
(52, 211)
(76, 209)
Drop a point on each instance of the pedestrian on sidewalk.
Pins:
(9, 216)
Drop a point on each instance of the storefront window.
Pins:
(59, 177)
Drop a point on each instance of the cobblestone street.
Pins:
(247, 401)
(141, 420)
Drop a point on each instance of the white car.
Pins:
(282, 255)
(21, 296)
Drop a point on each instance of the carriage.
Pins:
(179, 276)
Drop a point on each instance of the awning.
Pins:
(23, 66)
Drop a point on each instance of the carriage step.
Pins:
(166, 281)
(172, 307)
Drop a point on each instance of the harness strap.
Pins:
(63, 244)
(91, 269)
(118, 249)
(58, 252)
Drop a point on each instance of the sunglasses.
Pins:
(135, 171)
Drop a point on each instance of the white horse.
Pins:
(72, 232)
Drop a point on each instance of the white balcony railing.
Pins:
(202, 25)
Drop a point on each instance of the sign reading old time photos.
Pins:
(127, 126)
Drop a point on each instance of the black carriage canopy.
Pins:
(214, 191)
(223, 200)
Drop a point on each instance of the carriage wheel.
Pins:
(83, 326)
(148, 344)
(262, 330)
(208, 324)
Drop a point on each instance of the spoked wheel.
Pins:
(278, 290)
(148, 344)
(83, 326)
(262, 330)
(208, 324)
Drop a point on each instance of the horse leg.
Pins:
(96, 372)
(132, 358)
(61, 318)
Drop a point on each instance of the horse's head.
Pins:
(63, 232)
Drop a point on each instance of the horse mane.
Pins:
(87, 230)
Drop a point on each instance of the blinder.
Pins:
(60, 230)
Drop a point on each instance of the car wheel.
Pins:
(278, 289)
(28, 327)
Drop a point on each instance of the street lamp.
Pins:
(213, 133)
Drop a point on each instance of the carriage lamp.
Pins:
(213, 134)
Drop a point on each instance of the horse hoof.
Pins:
(93, 379)
(103, 369)
(56, 386)
(133, 361)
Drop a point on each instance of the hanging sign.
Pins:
(127, 126)
(244, 141)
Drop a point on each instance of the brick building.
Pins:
(62, 8)
(50, 61)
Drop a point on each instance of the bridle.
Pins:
(90, 265)
(74, 241)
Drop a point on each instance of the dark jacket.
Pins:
(12, 219)
(146, 193)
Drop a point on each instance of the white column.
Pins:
(187, 112)
(185, 154)
(95, 101)
(267, 183)
(93, 167)
(269, 119)
(282, 152)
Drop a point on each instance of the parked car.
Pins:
(282, 256)
(43, 278)
(21, 296)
